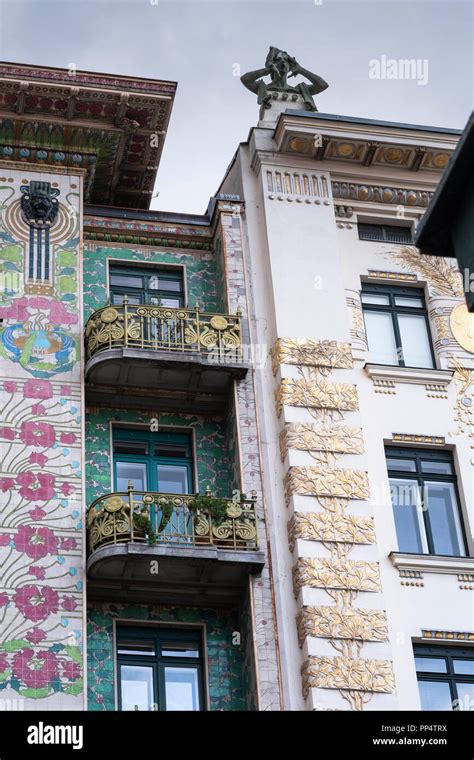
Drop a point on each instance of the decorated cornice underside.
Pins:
(135, 232)
(113, 126)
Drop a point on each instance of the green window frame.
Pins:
(445, 676)
(160, 669)
(146, 285)
(153, 454)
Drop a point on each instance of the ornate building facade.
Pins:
(236, 462)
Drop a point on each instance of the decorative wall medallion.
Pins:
(347, 574)
(378, 194)
(462, 327)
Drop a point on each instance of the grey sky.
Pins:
(199, 42)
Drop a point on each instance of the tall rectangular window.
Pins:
(425, 502)
(151, 286)
(160, 669)
(397, 327)
(445, 677)
(160, 462)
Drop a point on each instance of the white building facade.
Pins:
(364, 375)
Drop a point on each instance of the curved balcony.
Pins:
(188, 357)
(203, 547)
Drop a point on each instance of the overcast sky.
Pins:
(202, 43)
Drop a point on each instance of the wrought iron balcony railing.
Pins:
(159, 328)
(192, 520)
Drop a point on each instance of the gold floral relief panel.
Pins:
(347, 673)
(307, 436)
(316, 394)
(348, 623)
(345, 574)
(311, 352)
(323, 526)
(315, 481)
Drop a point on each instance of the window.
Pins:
(385, 233)
(425, 502)
(396, 322)
(445, 677)
(152, 461)
(159, 669)
(155, 287)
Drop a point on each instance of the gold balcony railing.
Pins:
(159, 328)
(192, 520)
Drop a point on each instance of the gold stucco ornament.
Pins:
(462, 327)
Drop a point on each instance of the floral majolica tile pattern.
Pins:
(225, 659)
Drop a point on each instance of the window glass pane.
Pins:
(407, 301)
(168, 450)
(167, 303)
(172, 478)
(134, 471)
(130, 646)
(465, 699)
(440, 468)
(435, 695)
(117, 299)
(126, 280)
(381, 299)
(403, 465)
(430, 665)
(131, 447)
(464, 667)
(415, 341)
(381, 337)
(407, 511)
(181, 686)
(444, 518)
(136, 685)
(159, 283)
(179, 649)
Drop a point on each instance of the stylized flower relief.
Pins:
(41, 389)
(36, 603)
(35, 670)
(8, 433)
(9, 386)
(325, 573)
(307, 436)
(67, 489)
(4, 600)
(38, 434)
(347, 673)
(39, 487)
(36, 635)
(308, 351)
(6, 484)
(40, 459)
(314, 526)
(316, 394)
(349, 623)
(35, 542)
(317, 481)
